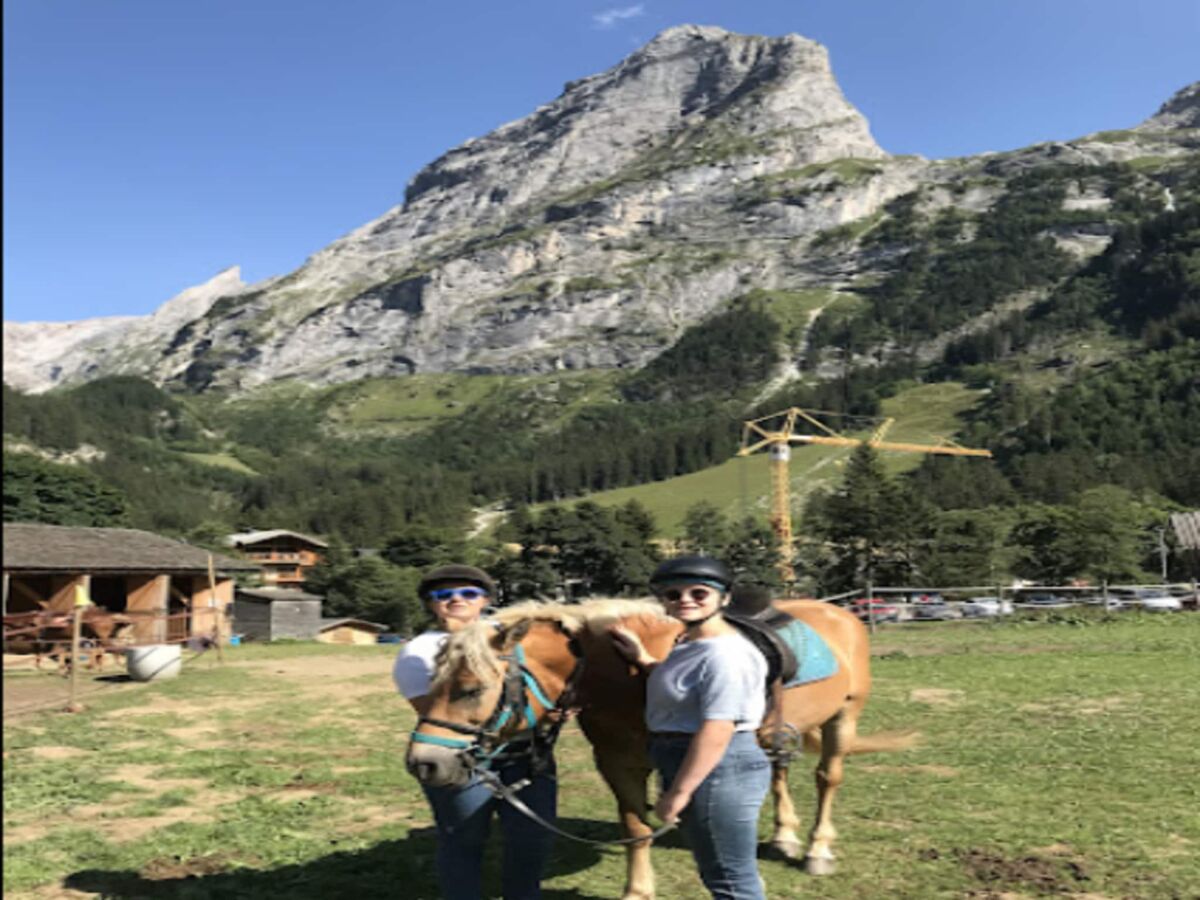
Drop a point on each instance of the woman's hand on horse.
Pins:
(670, 805)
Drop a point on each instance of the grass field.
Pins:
(740, 486)
(1058, 759)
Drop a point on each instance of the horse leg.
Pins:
(785, 838)
(837, 736)
(628, 784)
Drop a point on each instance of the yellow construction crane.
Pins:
(777, 433)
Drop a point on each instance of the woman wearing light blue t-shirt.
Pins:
(704, 704)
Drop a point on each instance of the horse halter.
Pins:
(488, 746)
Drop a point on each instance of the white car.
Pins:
(1160, 603)
(986, 607)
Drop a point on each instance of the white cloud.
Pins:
(611, 17)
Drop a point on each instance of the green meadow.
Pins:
(1058, 759)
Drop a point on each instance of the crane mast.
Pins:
(777, 432)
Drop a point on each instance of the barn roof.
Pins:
(30, 547)
(272, 594)
(247, 538)
(1187, 529)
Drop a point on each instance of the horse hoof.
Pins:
(817, 866)
(790, 849)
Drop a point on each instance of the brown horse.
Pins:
(47, 633)
(611, 694)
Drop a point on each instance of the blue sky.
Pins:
(150, 144)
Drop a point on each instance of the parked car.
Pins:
(933, 597)
(881, 611)
(986, 608)
(933, 612)
(1042, 601)
(1112, 603)
(1156, 601)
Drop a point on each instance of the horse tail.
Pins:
(883, 742)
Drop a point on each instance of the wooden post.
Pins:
(1104, 593)
(870, 607)
(212, 605)
(73, 705)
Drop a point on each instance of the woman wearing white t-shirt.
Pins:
(704, 704)
(456, 596)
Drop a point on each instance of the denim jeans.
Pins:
(463, 816)
(720, 823)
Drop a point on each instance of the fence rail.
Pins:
(877, 604)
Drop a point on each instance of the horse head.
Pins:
(492, 691)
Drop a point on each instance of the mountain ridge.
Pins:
(589, 234)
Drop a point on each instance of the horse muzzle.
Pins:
(435, 766)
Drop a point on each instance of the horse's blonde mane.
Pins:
(471, 648)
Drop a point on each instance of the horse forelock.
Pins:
(468, 650)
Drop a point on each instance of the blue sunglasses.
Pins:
(441, 595)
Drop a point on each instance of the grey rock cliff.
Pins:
(590, 233)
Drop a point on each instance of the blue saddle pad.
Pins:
(813, 657)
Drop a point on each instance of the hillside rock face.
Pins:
(1181, 111)
(589, 234)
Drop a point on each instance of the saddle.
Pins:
(752, 613)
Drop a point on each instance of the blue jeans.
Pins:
(720, 823)
(463, 816)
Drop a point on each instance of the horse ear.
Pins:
(514, 634)
(570, 629)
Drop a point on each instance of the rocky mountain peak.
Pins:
(1182, 110)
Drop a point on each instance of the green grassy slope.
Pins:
(740, 487)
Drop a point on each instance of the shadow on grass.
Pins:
(399, 868)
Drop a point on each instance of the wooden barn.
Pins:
(285, 556)
(275, 613)
(123, 571)
(349, 631)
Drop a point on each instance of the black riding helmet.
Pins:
(698, 569)
(442, 574)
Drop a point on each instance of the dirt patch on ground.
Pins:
(197, 737)
(1093, 707)
(57, 753)
(110, 820)
(1055, 873)
(144, 778)
(322, 668)
(937, 696)
(201, 710)
(941, 771)
(345, 678)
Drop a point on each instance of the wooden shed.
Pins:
(272, 614)
(123, 571)
(350, 631)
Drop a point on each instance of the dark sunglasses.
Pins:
(674, 595)
(441, 595)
